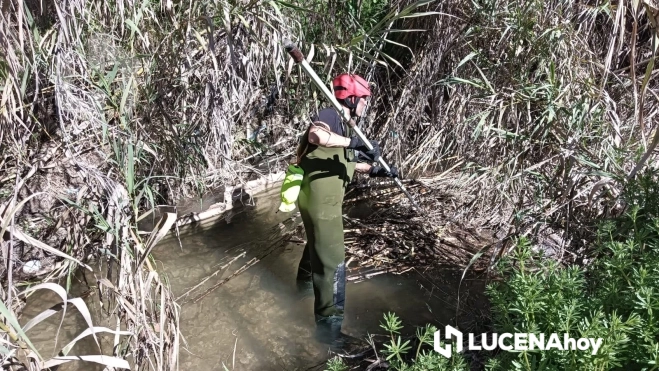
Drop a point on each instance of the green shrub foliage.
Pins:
(614, 298)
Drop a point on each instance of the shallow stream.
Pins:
(257, 320)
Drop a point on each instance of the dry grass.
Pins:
(533, 112)
(539, 105)
(110, 109)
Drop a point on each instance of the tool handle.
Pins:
(294, 52)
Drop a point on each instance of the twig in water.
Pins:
(212, 275)
(245, 267)
(239, 271)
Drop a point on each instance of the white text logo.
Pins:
(515, 342)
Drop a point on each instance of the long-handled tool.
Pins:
(294, 52)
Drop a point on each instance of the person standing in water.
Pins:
(329, 154)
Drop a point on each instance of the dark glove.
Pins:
(365, 154)
(379, 171)
(370, 156)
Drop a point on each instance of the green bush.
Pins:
(409, 355)
(614, 298)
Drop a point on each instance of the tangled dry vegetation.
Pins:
(532, 113)
(545, 109)
(385, 235)
(108, 109)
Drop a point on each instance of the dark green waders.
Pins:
(327, 172)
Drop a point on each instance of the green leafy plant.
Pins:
(336, 364)
(615, 298)
(396, 350)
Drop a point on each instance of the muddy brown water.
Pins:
(257, 320)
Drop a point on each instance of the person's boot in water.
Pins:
(328, 331)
